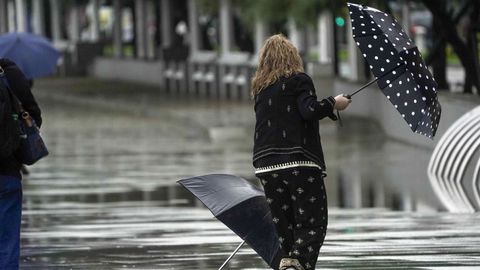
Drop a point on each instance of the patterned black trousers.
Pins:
(298, 203)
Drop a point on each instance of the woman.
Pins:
(288, 157)
(10, 177)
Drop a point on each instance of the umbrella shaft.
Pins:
(373, 81)
(231, 255)
(363, 87)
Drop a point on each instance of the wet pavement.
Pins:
(106, 197)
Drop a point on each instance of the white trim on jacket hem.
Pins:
(288, 165)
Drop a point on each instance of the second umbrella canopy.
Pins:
(34, 54)
(242, 207)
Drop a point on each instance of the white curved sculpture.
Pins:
(450, 160)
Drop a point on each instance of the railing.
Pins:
(203, 74)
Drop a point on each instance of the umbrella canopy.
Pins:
(397, 64)
(33, 54)
(240, 206)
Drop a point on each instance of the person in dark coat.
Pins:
(287, 154)
(10, 176)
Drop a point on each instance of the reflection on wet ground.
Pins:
(106, 197)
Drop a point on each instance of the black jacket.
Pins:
(21, 87)
(287, 128)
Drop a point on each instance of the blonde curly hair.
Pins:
(278, 57)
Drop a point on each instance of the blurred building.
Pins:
(195, 46)
(187, 45)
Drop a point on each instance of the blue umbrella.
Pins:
(34, 54)
(243, 208)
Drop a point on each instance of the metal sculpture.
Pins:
(452, 158)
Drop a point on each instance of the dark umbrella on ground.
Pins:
(398, 67)
(34, 54)
(243, 208)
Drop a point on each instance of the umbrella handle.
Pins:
(231, 255)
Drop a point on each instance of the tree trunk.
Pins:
(335, 60)
(472, 29)
(467, 58)
(460, 48)
(439, 60)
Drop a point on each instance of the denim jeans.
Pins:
(10, 220)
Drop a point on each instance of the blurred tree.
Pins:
(275, 11)
(75, 2)
(305, 12)
(437, 56)
(464, 43)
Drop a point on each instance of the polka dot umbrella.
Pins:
(399, 69)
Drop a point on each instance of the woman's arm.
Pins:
(310, 108)
(21, 87)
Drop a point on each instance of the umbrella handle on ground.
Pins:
(231, 255)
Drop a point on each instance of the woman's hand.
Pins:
(341, 102)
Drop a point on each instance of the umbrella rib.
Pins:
(369, 35)
(375, 34)
(387, 37)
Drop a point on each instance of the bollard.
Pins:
(176, 70)
(228, 82)
(202, 73)
(197, 77)
(168, 75)
(210, 80)
(234, 75)
(242, 82)
(180, 76)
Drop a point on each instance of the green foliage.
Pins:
(306, 12)
(312, 56)
(452, 58)
(269, 11)
(343, 55)
(128, 51)
(272, 11)
(209, 6)
(74, 2)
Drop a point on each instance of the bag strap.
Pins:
(17, 103)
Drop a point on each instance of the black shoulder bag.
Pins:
(32, 147)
